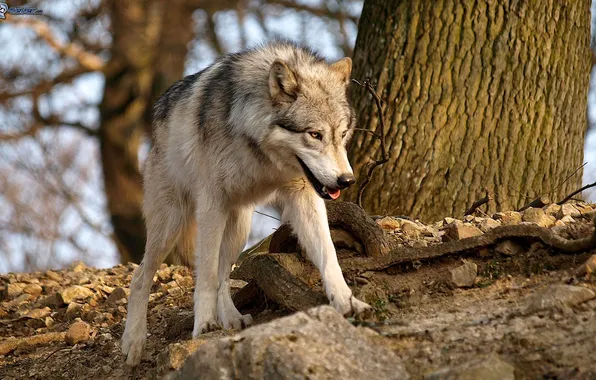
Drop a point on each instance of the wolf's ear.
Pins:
(283, 83)
(343, 67)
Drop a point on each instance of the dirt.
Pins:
(418, 312)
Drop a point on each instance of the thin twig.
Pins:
(576, 192)
(380, 134)
(569, 177)
(270, 216)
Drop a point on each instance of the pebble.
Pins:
(78, 332)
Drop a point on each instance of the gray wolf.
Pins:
(267, 125)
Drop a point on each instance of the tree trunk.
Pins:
(148, 52)
(477, 94)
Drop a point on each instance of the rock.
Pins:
(78, 266)
(117, 295)
(237, 284)
(53, 301)
(567, 219)
(551, 209)
(175, 354)
(587, 268)
(317, 344)
(14, 290)
(54, 276)
(487, 224)
(75, 293)
(73, 310)
(508, 217)
(388, 223)
(32, 289)
(77, 332)
(164, 273)
(458, 231)
(449, 220)
(508, 248)
(562, 296)
(538, 216)
(412, 229)
(492, 368)
(567, 209)
(38, 313)
(464, 275)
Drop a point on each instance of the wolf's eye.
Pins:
(316, 135)
(344, 133)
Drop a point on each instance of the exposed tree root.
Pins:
(285, 278)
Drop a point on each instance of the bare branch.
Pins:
(380, 135)
(73, 50)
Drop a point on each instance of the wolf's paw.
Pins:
(205, 327)
(237, 323)
(132, 346)
(349, 305)
(358, 307)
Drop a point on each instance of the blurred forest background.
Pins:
(76, 89)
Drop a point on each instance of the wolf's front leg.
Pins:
(211, 222)
(305, 211)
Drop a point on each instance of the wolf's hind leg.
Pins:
(211, 221)
(234, 239)
(165, 218)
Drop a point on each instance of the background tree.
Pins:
(478, 94)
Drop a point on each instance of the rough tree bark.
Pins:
(148, 52)
(478, 94)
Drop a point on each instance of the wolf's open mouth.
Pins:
(323, 191)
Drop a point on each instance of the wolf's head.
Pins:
(313, 121)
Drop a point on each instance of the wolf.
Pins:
(266, 125)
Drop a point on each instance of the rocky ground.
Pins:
(515, 309)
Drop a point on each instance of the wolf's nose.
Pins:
(345, 180)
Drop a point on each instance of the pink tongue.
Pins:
(334, 194)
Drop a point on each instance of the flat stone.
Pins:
(487, 224)
(458, 231)
(318, 344)
(568, 209)
(492, 368)
(75, 293)
(78, 332)
(562, 296)
(464, 275)
(538, 216)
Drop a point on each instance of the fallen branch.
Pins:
(568, 197)
(488, 197)
(380, 135)
(402, 255)
(12, 344)
(539, 202)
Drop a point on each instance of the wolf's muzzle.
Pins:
(345, 180)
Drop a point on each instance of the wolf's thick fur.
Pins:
(266, 125)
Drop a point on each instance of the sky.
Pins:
(88, 89)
